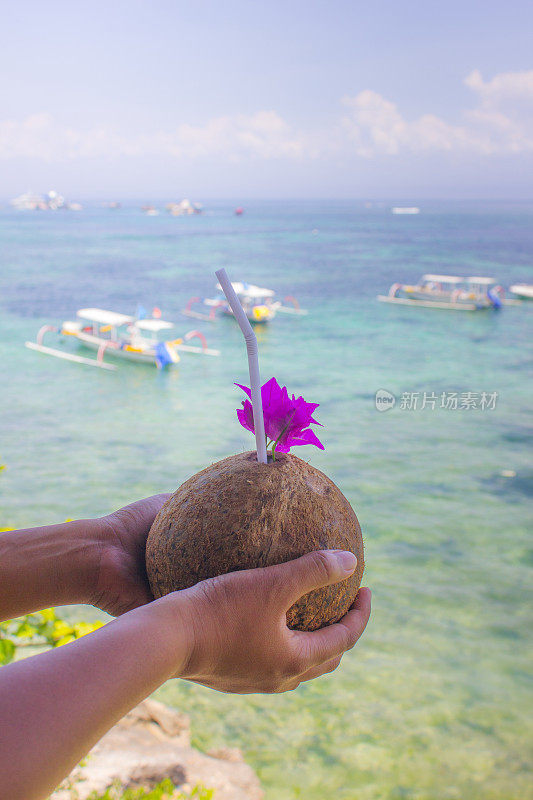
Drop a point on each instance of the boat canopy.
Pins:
(481, 281)
(249, 290)
(153, 325)
(442, 278)
(104, 317)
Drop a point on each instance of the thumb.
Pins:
(142, 512)
(316, 569)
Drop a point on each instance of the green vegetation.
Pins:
(41, 629)
(163, 791)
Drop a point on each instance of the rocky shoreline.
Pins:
(151, 743)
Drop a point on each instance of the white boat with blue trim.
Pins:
(121, 336)
(450, 292)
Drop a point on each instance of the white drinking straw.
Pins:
(253, 362)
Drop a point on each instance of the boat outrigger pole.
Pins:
(52, 351)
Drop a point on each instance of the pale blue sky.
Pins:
(242, 99)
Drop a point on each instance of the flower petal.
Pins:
(272, 395)
(282, 447)
(307, 437)
(245, 389)
(245, 415)
(287, 419)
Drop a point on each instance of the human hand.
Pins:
(240, 641)
(120, 583)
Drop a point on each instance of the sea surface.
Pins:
(434, 703)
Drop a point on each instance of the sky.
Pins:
(292, 98)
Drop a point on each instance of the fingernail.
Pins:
(347, 560)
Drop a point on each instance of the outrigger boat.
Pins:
(121, 336)
(258, 303)
(522, 290)
(449, 292)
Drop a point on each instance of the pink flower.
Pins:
(287, 420)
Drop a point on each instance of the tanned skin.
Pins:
(228, 633)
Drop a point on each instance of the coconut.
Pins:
(239, 514)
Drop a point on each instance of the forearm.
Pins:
(55, 706)
(52, 565)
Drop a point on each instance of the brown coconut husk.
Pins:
(238, 514)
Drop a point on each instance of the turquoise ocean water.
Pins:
(434, 703)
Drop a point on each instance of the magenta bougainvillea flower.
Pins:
(287, 419)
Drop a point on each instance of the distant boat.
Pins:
(258, 303)
(29, 201)
(448, 292)
(523, 290)
(405, 210)
(239, 211)
(52, 201)
(150, 211)
(184, 208)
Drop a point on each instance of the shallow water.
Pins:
(433, 702)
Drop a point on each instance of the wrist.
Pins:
(176, 630)
(46, 566)
(73, 555)
(83, 547)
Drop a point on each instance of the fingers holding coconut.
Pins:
(310, 674)
(134, 520)
(324, 646)
(322, 669)
(312, 571)
(239, 638)
(328, 643)
(119, 582)
(357, 617)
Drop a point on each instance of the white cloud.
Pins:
(263, 135)
(504, 115)
(500, 122)
(502, 87)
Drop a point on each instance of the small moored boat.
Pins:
(121, 336)
(258, 303)
(522, 290)
(448, 292)
(150, 211)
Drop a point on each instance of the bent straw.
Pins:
(253, 362)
